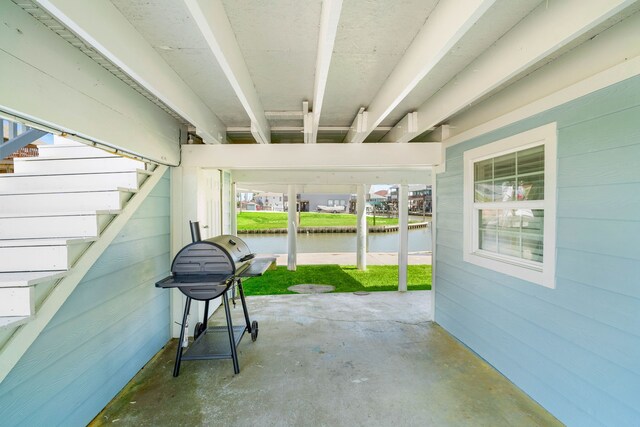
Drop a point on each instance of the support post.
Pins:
(361, 242)
(403, 249)
(234, 209)
(292, 229)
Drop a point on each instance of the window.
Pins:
(509, 205)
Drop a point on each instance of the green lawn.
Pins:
(345, 278)
(266, 220)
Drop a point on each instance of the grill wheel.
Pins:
(254, 330)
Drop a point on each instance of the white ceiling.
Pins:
(278, 42)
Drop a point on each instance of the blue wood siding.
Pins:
(575, 349)
(109, 327)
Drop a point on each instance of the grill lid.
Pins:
(223, 255)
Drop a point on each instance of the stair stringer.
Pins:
(26, 334)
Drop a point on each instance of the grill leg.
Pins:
(206, 314)
(244, 306)
(176, 367)
(232, 340)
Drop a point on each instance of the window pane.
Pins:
(531, 187)
(513, 232)
(488, 218)
(505, 190)
(532, 248)
(484, 192)
(484, 170)
(532, 221)
(509, 243)
(504, 166)
(531, 160)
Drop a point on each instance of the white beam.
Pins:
(358, 130)
(212, 20)
(95, 22)
(602, 61)
(333, 178)
(403, 225)
(328, 28)
(405, 130)
(320, 156)
(361, 228)
(51, 84)
(292, 229)
(446, 25)
(550, 27)
(307, 122)
(254, 187)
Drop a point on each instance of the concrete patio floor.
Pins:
(330, 360)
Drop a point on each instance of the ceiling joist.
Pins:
(519, 50)
(130, 52)
(446, 25)
(328, 28)
(212, 20)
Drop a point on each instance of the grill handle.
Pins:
(195, 231)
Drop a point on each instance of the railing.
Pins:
(17, 142)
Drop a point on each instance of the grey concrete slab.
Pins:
(331, 360)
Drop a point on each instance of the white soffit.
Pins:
(278, 39)
(372, 37)
(614, 47)
(499, 19)
(170, 29)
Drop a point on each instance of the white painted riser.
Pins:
(17, 204)
(70, 151)
(17, 301)
(23, 301)
(89, 225)
(15, 183)
(88, 165)
(40, 258)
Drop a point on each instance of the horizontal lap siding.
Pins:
(109, 327)
(576, 348)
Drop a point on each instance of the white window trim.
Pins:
(526, 270)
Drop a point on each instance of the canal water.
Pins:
(419, 241)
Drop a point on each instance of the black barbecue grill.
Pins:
(205, 270)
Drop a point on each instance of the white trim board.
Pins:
(312, 156)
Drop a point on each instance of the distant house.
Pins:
(270, 201)
(419, 199)
(341, 201)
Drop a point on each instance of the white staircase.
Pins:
(52, 209)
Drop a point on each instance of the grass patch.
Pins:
(346, 278)
(267, 220)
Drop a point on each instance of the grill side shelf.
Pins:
(258, 267)
(194, 281)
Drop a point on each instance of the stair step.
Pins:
(61, 140)
(68, 151)
(37, 183)
(54, 226)
(30, 278)
(18, 204)
(21, 294)
(28, 255)
(112, 163)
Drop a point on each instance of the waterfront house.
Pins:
(521, 115)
